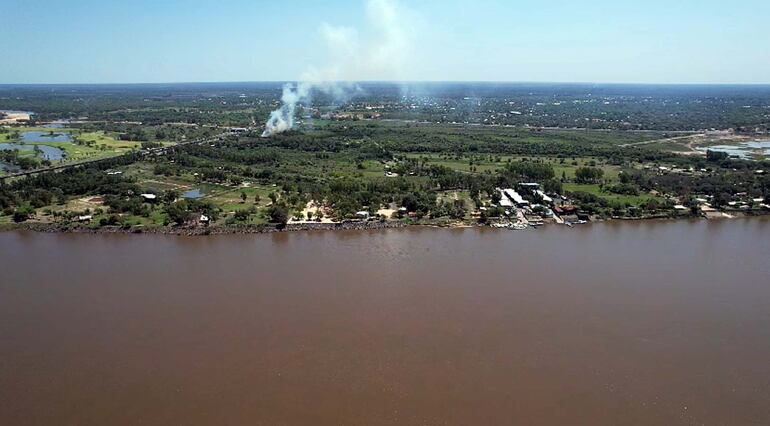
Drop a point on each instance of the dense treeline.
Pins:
(44, 188)
(374, 141)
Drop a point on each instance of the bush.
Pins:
(23, 213)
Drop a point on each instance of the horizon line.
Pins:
(394, 82)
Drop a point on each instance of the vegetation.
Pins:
(336, 170)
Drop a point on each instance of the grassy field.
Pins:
(596, 190)
(492, 163)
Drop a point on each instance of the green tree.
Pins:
(588, 174)
(278, 214)
(170, 196)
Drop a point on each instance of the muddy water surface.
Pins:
(648, 323)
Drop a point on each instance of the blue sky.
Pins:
(652, 41)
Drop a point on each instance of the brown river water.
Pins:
(608, 324)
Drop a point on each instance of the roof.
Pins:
(545, 198)
(514, 196)
(504, 201)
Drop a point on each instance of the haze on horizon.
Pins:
(657, 42)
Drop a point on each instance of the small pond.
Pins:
(193, 194)
(46, 152)
(32, 137)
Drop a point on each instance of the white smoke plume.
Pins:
(282, 119)
(382, 56)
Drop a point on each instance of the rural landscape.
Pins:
(384, 213)
(196, 159)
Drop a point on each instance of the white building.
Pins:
(504, 201)
(546, 199)
(515, 197)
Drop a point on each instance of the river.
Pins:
(605, 324)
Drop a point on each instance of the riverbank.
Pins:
(201, 230)
(304, 227)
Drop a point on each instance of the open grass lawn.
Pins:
(482, 163)
(143, 173)
(596, 190)
(371, 169)
(229, 198)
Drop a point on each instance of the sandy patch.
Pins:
(388, 213)
(313, 208)
(81, 204)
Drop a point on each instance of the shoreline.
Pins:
(201, 231)
(73, 228)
